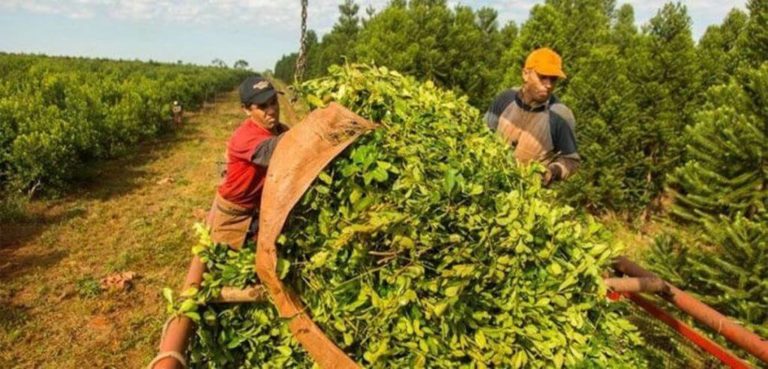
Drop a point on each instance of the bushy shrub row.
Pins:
(58, 113)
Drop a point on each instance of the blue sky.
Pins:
(258, 31)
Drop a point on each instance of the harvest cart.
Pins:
(301, 155)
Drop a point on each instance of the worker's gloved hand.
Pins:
(554, 173)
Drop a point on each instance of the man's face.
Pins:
(539, 87)
(266, 114)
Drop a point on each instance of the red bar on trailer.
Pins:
(700, 311)
(722, 354)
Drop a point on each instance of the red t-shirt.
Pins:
(244, 179)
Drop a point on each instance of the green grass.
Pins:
(12, 206)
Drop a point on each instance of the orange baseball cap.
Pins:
(545, 61)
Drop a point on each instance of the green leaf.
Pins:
(480, 339)
(284, 350)
(569, 281)
(555, 269)
(168, 295)
(348, 339)
(188, 305)
(193, 315)
(189, 292)
(440, 307)
(283, 267)
(314, 101)
(452, 291)
(325, 178)
(519, 359)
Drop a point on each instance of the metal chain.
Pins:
(301, 61)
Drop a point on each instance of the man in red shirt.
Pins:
(234, 215)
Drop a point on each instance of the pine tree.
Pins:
(508, 35)
(726, 265)
(487, 20)
(717, 50)
(456, 48)
(508, 60)
(587, 26)
(431, 22)
(727, 167)
(285, 67)
(386, 40)
(607, 133)
(755, 40)
(722, 189)
(473, 49)
(313, 48)
(665, 76)
(338, 44)
(624, 32)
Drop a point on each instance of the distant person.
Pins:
(234, 214)
(178, 114)
(533, 121)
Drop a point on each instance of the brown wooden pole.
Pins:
(632, 284)
(231, 295)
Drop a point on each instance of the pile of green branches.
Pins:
(424, 245)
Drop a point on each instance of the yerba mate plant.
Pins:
(425, 245)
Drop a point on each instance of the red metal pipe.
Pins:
(725, 356)
(735, 333)
(180, 328)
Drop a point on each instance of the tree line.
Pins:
(633, 90)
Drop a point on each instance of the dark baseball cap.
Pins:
(256, 90)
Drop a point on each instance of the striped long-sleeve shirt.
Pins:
(544, 133)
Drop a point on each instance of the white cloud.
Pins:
(509, 10)
(36, 7)
(263, 12)
(285, 15)
(645, 9)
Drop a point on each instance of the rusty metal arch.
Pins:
(299, 157)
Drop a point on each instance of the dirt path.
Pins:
(136, 214)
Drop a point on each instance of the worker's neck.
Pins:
(260, 123)
(528, 100)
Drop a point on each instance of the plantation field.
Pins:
(57, 114)
(135, 214)
(422, 244)
(672, 135)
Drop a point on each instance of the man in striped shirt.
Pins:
(533, 121)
